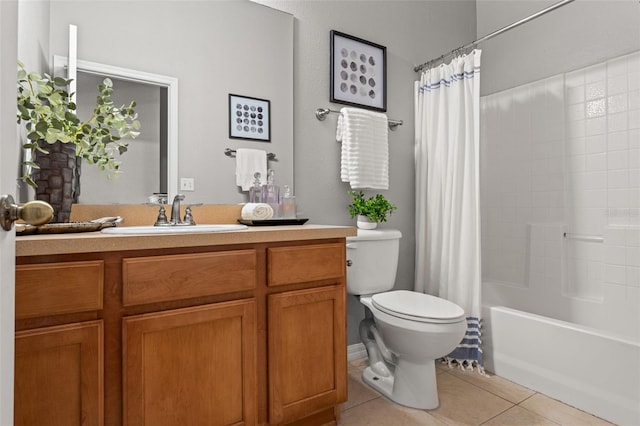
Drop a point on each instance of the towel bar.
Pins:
(321, 114)
(232, 153)
(581, 237)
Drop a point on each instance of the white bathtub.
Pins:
(585, 368)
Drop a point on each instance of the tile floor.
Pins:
(466, 398)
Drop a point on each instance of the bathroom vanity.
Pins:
(227, 328)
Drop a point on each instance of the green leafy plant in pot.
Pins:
(57, 139)
(369, 211)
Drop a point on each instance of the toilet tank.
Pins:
(373, 261)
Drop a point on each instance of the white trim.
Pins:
(356, 351)
(171, 83)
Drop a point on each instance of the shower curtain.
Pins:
(448, 265)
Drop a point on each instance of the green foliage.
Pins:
(376, 208)
(44, 105)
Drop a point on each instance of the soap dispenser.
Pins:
(288, 204)
(255, 192)
(271, 193)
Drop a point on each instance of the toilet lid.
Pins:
(417, 306)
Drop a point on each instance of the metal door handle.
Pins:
(34, 212)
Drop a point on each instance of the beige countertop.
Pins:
(36, 245)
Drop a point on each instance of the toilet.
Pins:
(403, 331)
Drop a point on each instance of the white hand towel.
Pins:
(248, 162)
(365, 148)
(256, 211)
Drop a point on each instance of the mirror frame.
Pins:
(60, 63)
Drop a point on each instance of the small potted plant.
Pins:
(53, 126)
(369, 211)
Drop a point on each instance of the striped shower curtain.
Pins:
(447, 117)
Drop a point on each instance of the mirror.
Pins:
(156, 148)
(213, 48)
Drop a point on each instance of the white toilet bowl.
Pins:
(404, 331)
(415, 342)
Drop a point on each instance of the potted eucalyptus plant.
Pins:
(369, 211)
(57, 139)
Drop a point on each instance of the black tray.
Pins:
(272, 222)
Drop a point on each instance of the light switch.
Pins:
(187, 184)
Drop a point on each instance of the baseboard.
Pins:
(356, 351)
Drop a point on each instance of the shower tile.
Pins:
(595, 73)
(617, 84)
(617, 179)
(617, 160)
(596, 108)
(617, 103)
(634, 99)
(595, 144)
(634, 119)
(498, 386)
(615, 255)
(595, 126)
(619, 122)
(559, 412)
(615, 274)
(617, 141)
(595, 90)
(615, 236)
(465, 404)
(576, 129)
(575, 95)
(633, 277)
(617, 66)
(633, 257)
(634, 159)
(618, 199)
(634, 81)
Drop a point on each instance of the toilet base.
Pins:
(411, 385)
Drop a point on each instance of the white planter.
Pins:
(364, 222)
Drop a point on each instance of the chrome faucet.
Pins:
(175, 210)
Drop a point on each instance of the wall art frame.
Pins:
(358, 72)
(249, 118)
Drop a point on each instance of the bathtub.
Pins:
(580, 366)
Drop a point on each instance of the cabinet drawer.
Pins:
(58, 288)
(288, 265)
(183, 276)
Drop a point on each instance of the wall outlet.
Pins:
(187, 184)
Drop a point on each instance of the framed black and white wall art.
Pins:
(358, 72)
(249, 118)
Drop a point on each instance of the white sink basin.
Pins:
(172, 229)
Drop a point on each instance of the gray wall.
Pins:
(413, 32)
(576, 35)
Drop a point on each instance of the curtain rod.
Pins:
(420, 67)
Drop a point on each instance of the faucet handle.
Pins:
(162, 217)
(188, 216)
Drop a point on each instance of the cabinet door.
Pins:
(59, 375)
(192, 366)
(307, 352)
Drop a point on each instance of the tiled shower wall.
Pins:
(562, 155)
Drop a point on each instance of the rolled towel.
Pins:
(257, 211)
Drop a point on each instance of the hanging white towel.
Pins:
(365, 148)
(248, 162)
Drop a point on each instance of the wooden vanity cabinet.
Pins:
(307, 333)
(246, 334)
(58, 355)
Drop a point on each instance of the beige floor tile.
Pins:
(359, 362)
(382, 412)
(517, 416)
(559, 412)
(463, 403)
(358, 393)
(503, 388)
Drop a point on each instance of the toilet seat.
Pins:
(420, 307)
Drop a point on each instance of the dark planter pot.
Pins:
(58, 178)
